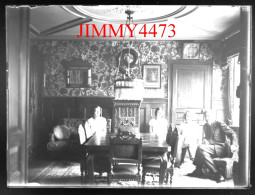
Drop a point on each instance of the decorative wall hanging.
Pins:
(127, 59)
(190, 50)
(152, 75)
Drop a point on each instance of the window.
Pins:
(233, 83)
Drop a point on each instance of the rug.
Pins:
(67, 174)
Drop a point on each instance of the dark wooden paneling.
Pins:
(56, 108)
(142, 120)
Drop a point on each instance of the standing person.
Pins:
(213, 145)
(189, 138)
(159, 124)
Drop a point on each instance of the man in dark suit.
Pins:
(214, 145)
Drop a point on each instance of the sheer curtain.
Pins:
(233, 82)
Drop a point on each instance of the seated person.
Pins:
(96, 123)
(213, 145)
(159, 127)
(189, 138)
(159, 124)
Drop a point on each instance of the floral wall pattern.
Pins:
(103, 57)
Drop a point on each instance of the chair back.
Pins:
(82, 134)
(169, 134)
(125, 147)
(172, 140)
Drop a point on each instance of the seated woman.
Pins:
(153, 162)
(159, 124)
(189, 138)
(96, 123)
(159, 127)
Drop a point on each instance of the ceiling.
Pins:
(191, 22)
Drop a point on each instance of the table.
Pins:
(99, 143)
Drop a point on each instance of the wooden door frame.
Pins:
(18, 58)
(170, 65)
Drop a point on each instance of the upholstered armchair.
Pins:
(64, 140)
(226, 165)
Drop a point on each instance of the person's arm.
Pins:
(204, 139)
(199, 134)
(89, 130)
(81, 132)
(104, 124)
(151, 126)
(231, 134)
(166, 126)
(181, 129)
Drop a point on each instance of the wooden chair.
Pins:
(96, 163)
(125, 157)
(155, 164)
(225, 165)
(172, 140)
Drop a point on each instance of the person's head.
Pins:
(208, 116)
(96, 111)
(159, 112)
(187, 117)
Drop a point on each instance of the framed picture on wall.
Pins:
(152, 75)
(191, 50)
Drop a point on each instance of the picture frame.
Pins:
(152, 76)
(191, 50)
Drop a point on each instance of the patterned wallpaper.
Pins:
(103, 57)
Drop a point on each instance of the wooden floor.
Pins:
(46, 173)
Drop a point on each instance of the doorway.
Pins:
(190, 88)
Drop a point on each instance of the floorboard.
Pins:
(67, 174)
